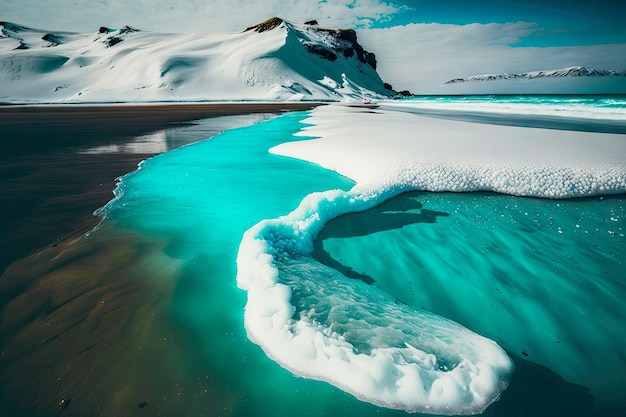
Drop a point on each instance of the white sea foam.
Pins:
(319, 324)
(390, 149)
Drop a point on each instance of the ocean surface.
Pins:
(591, 113)
(142, 314)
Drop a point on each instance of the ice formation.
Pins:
(424, 153)
(319, 325)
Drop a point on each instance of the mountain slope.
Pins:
(275, 60)
(576, 71)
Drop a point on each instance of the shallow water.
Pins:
(143, 315)
(165, 253)
(54, 174)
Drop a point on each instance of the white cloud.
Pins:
(190, 15)
(422, 57)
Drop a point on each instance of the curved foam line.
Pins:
(421, 362)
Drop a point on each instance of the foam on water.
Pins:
(319, 324)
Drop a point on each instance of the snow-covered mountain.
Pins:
(275, 60)
(576, 71)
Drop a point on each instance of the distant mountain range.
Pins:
(576, 71)
(274, 60)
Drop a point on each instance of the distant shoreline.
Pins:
(79, 123)
(165, 111)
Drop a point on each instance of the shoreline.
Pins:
(213, 107)
(123, 118)
(52, 188)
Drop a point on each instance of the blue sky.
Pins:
(559, 22)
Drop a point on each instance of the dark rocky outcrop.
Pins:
(112, 41)
(320, 51)
(399, 94)
(117, 36)
(12, 27)
(345, 42)
(11, 30)
(53, 39)
(127, 29)
(370, 59)
(349, 46)
(269, 24)
(22, 45)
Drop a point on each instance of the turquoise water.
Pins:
(588, 101)
(199, 200)
(542, 278)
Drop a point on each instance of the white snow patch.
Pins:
(126, 65)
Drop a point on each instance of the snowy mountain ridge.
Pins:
(274, 60)
(575, 71)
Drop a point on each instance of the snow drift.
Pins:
(275, 60)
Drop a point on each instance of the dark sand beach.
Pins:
(52, 182)
(82, 328)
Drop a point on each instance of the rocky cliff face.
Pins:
(338, 41)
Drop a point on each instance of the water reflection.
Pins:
(152, 143)
(54, 175)
(175, 136)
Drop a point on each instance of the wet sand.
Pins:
(50, 189)
(35, 128)
(75, 120)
